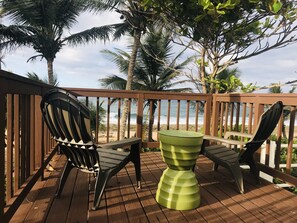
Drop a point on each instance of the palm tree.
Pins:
(136, 20)
(155, 70)
(42, 24)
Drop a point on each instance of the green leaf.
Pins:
(277, 6)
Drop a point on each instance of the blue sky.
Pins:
(82, 66)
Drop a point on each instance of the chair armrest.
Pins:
(121, 143)
(223, 140)
(231, 133)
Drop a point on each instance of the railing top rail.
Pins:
(286, 98)
(15, 84)
(134, 94)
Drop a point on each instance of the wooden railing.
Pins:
(187, 111)
(26, 146)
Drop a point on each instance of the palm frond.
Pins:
(90, 35)
(120, 30)
(154, 69)
(14, 36)
(113, 82)
(103, 5)
(120, 58)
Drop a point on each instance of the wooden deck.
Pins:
(124, 203)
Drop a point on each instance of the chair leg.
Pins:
(215, 166)
(237, 175)
(253, 169)
(136, 160)
(63, 178)
(101, 181)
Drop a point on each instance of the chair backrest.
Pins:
(266, 125)
(68, 120)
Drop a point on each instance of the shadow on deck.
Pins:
(122, 202)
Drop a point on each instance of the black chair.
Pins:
(230, 159)
(68, 121)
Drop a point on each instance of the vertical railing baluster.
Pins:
(231, 115)
(16, 130)
(168, 114)
(159, 118)
(97, 124)
(197, 116)
(129, 117)
(150, 124)
(237, 118)
(2, 155)
(32, 134)
(9, 146)
(226, 117)
(108, 119)
(221, 118)
(119, 119)
(251, 111)
(177, 114)
(38, 125)
(187, 115)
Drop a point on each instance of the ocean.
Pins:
(163, 115)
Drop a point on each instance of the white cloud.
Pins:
(275, 66)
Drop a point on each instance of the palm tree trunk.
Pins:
(136, 45)
(202, 71)
(50, 71)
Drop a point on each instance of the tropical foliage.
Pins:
(225, 82)
(225, 32)
(34, 76)
(42, 25)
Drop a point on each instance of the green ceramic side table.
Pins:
(178, 187)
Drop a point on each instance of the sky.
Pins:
(83, 65)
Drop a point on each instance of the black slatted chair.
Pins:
(69, 122)
(222, 155)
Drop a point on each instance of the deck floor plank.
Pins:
(124, 203)
(45, 198)
(148, 192)
(56, 212)
(264, 204)
(78, 211)
(131, 200)
(32, 197)
(99, 215)
(114, 201)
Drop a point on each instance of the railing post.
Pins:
(139, 115)
(207, 112)
(214, 117)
